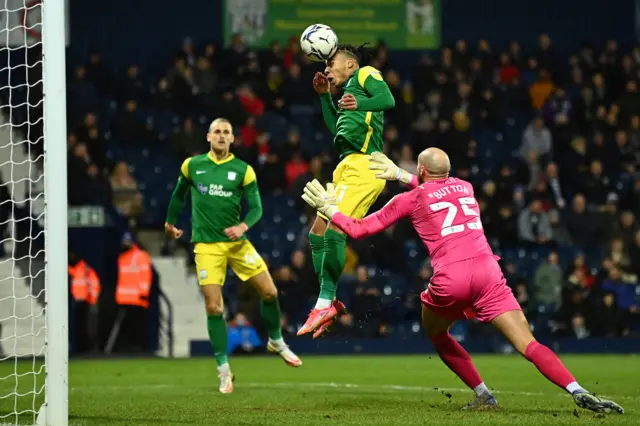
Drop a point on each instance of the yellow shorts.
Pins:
(356, 186)
(212, 260)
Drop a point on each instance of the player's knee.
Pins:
(269, 293)
(214, 307)
(318, 227)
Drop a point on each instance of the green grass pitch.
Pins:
(340, 390)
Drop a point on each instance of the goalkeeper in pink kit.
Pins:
(467, 281)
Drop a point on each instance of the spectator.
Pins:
(625, 294)
(548, 283)
(533, 225)
(619, 254)
(231, 107)
(132, 86)
(530, 171)
(508, 71)
(553, 179)
(189, 141)
(597, 186)
(126, 196)
(536, 138)
(626, 227)
(204, 77)
(607, 321)
(250, 102)
(558, 231)
(130, 128)
(541, 90)
(83, 95)
(407, 159)
(294, 168)
(521, 293)
(579, 274)
(366, 304)
(582, 224)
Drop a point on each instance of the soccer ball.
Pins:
(319, 42)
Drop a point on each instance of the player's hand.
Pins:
(323, 200)
(348, 102)
(172, 231)
(235, 232)
(387, 170)
(321, 83)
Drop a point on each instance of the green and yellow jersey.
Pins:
(217, 189)
(359, 131)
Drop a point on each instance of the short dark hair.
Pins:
(357, 53)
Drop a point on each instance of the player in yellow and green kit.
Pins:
(217, 182)
(357, 125)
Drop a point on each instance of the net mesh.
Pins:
(22, 213)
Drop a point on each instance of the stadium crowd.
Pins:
(550, 141)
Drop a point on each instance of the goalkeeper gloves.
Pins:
(387, 170)
(323, 200)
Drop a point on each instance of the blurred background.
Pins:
(535, 101)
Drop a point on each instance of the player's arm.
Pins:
(252, 195)
(329, 112)
(380, 97)
(254, 203)
(177, 199)
(325, 202)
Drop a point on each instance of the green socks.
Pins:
(335, 245)
(317, 251)
(270, 311)
(218, 336)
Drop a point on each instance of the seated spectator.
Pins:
(251, 103)
(507, 71)
(242, 336)
(204, 77)
(597, 186)
(533, 225)
(126, 196)
(634, 253)
(129, 126)
(231, 107)
(579, 327)
(619, 254)
(558, 230)
(537, 138)
(625, 293)
(626, 227)
(548, 283)
(541, 89)
(521, 293)
(366, 303)
(407, 160)
(582, 224)
(83, 95)
(607, 319)
(554, 182)
(132, 86)
(579, 274)
(294, 168)
(530, 170)
(189, 141)
(507, 227)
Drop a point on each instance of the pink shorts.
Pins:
(472, 288)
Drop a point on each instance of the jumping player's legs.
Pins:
(356, 190)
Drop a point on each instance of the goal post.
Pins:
(56, 406)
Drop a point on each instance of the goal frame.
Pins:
(56, 405)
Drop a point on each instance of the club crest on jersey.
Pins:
(203, 188)
(232, 175)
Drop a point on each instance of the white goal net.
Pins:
(33, 279)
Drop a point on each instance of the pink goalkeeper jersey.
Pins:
(444, 213)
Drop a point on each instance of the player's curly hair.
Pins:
(359, 53)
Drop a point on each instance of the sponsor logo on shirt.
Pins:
(218, 191)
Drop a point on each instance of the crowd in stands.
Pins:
(550, 140)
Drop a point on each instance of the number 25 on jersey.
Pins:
(465, 204)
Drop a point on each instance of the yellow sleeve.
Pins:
(367, 71)
(249, 176)
(185, 168)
